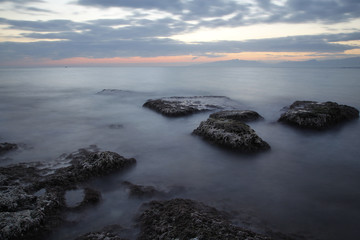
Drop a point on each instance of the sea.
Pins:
(307, 186)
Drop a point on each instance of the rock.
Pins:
(112, 232)
(238, 115)
(28, 219)
(115, 92)
(33, 194)
(231, 134)
(92, 197)
(7, 147)
(187, 219)
(316, 115)
(141, 191)
(183, 106)
(116, 126)
(88, 165)
(88, 197)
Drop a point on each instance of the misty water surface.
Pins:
(309, 183)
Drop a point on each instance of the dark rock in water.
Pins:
(33, 194)
(116, 126)
(87, 165)
(141, 191)
(187, 219)
(25, 216)
(112, 232)
(7, 147)
(91, 197)
(182, 106)
(88, 197)
(115, 92)
(238, 115)
(232, 134)
(316, 115)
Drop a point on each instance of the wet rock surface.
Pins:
(112, 232)
(183, 106)
(85, 165)
(32, 194)
(141, 191)
(187, 219)
(7, 147)
(238, 115)
(318, 115)
(226, 130)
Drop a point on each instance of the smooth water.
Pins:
(308, 184)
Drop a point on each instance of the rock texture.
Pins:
(85, 165)
(112, 232)
(238, 115)
(182, 106)
(227, 129)
(316, 115)
(186, 219)
(32, 194)
(141, 191)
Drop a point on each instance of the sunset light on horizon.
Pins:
(175, 33)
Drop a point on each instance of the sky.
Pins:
(175, 32)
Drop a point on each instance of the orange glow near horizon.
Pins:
(179, 60)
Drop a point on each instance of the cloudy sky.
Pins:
(175, 32)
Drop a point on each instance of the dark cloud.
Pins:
(153, 47)
(43, 26)
(266, 11)
(21, 1)
(34, 9)
(188, 9)
(165, 5)
(137, 35)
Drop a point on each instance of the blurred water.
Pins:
(309, 183)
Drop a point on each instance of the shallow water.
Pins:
(307, 184)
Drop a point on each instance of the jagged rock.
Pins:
(182, 106)
(231, 134)
(28, 219)
(86, 166)
(238, 115)
(27, 214)
(141, 191)
(187, 219)
(112, 232)
(7, 147)
(316, 115)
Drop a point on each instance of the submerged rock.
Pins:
(7, 147)
(83, 198)
(112, 232)
(238, 115)
(187, 219)
(182, 106)
(316, 115)
(115, 92)
(141, 191)
(33, 194)
(116, 126)
(231, 133)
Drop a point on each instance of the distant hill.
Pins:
(340, 63)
